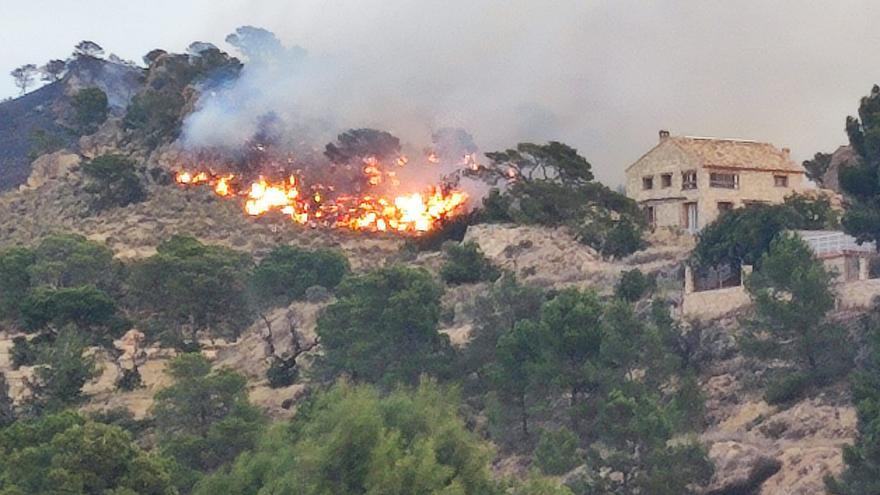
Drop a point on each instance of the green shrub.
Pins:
(789, 388)
(496, 207)
(282, 373)
(22, 353)
(383, 328)
(633, 285)
(42, 142)
(90, 107)
(154, 116)
(15, 281)
(465, 264)
(623, 238)
(113, 181)
(129, 380)
(556, 452)
(450, 230)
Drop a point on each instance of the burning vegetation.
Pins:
(364, 185)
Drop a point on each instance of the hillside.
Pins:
(40, 118)
(756, 448)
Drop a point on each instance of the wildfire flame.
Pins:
(406, 213)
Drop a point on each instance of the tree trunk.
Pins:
(269, 338)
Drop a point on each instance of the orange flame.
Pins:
(407, 213)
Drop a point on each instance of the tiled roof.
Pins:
(738, 154)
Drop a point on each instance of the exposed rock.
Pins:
(106, 140)
(51, 166)
(842, 157)
(552, 258)
(739, 468)
(130, 345)
(118, 81)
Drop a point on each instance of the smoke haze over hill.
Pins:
(601, 76)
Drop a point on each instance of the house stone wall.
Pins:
(665, 158)
(754, 186)
(668, 202)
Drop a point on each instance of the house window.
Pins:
(689, 180)
(648, 182)
(724, 181)
(691, 219)
(666, 180)
(780, 180)
(650, 215)
(724, 206)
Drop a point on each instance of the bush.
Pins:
(282, 372)
(15, 281)
(194, 287)
(129, 380)
(114, 182)
(61, 372)
(22, 353)
(450, 230)
(466, 264)
(633, 285)
(42, 142)
(622, 239)
(556, 452)
(496, 207)
(90, 107)
(789, 388)
(154, 116)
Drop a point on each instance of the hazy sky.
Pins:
(603, 76)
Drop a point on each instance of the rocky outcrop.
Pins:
(119, 81)
(52, 166)
(739, 468)
(552, 258)
(842, 157)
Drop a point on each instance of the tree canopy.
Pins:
(66, 453)
(90, 109)
(194, 287)
(287, 271)
(861, 180)
(352, 440)
(383, 328)
(204, 419)
(743, 235)
(792, 297)
(551, 184)
(861, 474)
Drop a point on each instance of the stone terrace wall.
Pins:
(711, 304)
(858, 294)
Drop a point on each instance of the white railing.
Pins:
(834, 242)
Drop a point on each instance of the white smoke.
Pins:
(602, 76)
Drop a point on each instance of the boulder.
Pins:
(739, 468)
(51, 166)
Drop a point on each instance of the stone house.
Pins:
(686, 182)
